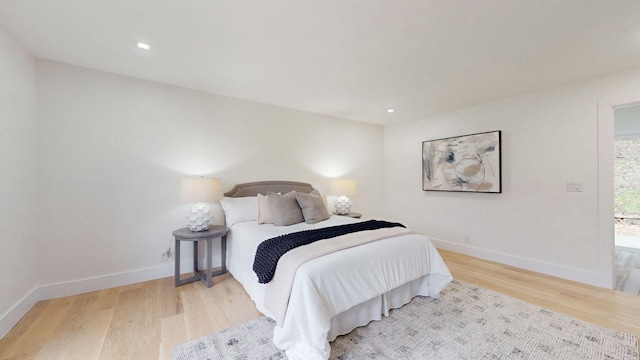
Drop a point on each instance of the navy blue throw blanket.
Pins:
(270, 250)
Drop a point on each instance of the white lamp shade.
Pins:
(201, 189)
(343, 187)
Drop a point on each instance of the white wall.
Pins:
(113, 150)
(548, 138)
(18, 175)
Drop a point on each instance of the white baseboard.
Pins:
(565, 272)
(11, 317)
(74, 287)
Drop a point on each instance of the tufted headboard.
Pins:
(262, 187)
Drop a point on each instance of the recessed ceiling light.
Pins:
(144, 46)
(391, 110)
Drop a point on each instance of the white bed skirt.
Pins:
(374, 309)
(298, 347)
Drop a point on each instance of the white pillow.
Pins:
(237, 210)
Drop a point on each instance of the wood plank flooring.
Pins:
(145, 320)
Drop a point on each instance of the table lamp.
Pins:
(200, 190)
(343, 187)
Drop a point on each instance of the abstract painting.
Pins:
(468, 163)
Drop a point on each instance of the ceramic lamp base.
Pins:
(343, 205)
(199, 218)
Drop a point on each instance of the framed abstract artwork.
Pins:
(467, 163)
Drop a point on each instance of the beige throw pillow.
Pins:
(264, 212)
(285, 209)
(313, 207)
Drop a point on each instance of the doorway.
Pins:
(627, 199)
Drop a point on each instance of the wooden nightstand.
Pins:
(351, 214)
(185, 234)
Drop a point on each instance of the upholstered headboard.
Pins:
(262, 187)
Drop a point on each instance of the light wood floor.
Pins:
(143, 321)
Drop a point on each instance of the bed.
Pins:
(332, 294)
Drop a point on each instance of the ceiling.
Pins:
(346, 58)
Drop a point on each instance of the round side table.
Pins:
(185, 234)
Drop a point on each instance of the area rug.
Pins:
(467, 322)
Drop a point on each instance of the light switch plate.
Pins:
(574, 186)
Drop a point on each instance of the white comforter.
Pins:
(327, 287)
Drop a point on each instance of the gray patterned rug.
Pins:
(467, 322)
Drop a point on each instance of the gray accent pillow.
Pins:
(313, 207)
(285, 209)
